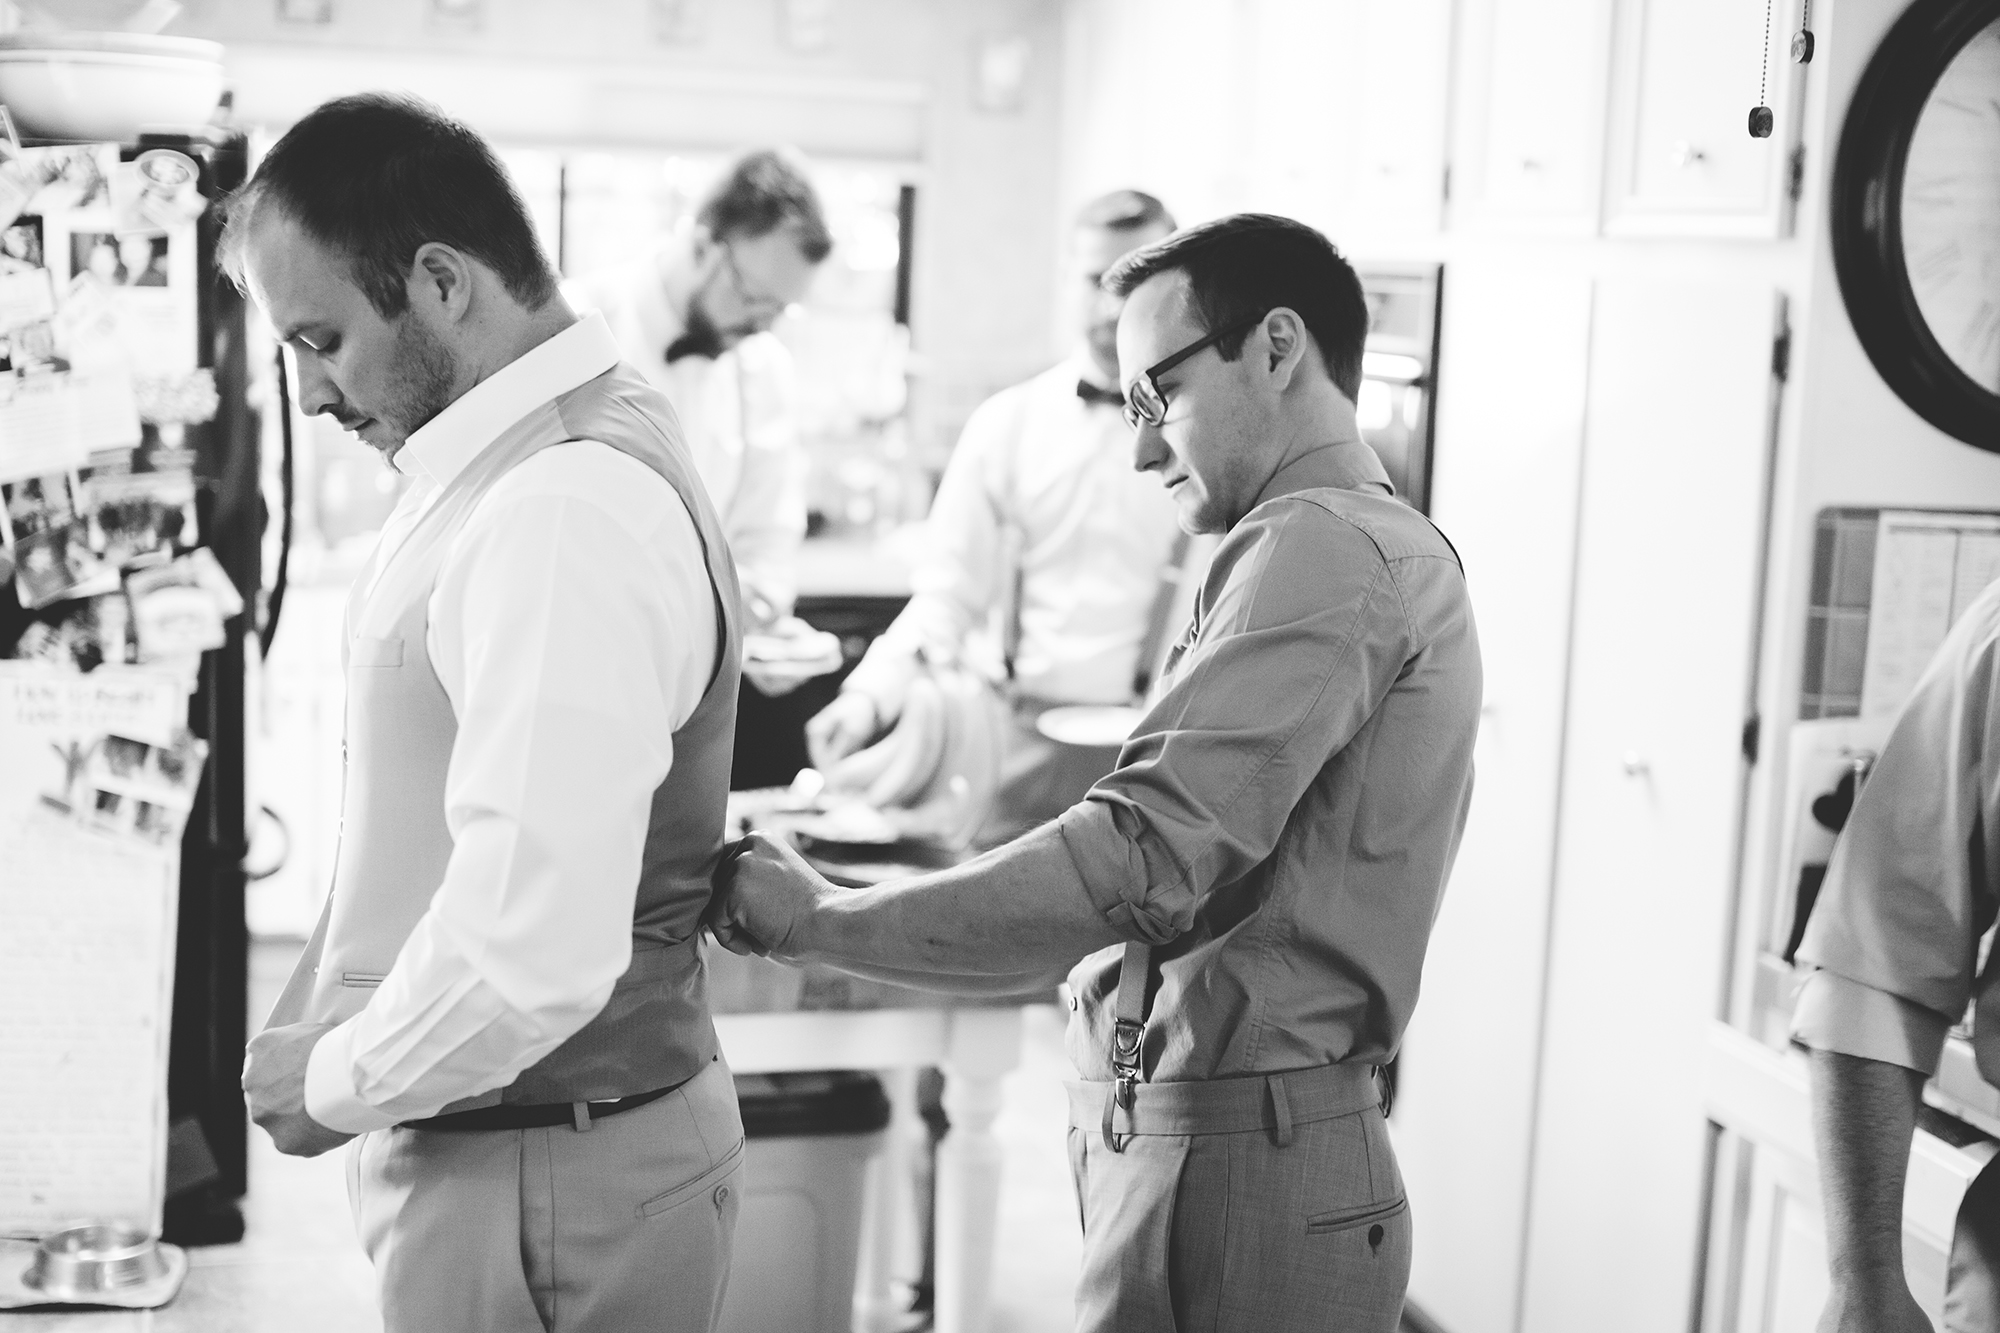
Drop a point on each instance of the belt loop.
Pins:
(1281, 1108)
(580, 1116)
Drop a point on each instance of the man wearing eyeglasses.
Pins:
(694, 317)
(1242, 907)
(1044, 554)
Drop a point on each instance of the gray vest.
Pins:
(400, 730)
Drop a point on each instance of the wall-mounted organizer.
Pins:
(1887, 585)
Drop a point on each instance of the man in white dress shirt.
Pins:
(504, 1000)
(1045, 552)
(695, 318)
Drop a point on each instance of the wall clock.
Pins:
(1916, 214)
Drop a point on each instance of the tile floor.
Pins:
(299, 1270)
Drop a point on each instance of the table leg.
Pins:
(889, 1237)
(983, 1046)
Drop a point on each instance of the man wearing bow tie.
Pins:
(695, 317)
(1044, 552)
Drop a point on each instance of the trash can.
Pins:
(798, 1232)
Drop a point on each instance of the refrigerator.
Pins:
(207, 1138)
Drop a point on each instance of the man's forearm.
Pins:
(980, 985)
(1018, 911)
(1864, 1112)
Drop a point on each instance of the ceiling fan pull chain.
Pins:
(1761, 119)
(1802, 44)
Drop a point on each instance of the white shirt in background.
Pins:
(573, 628)
(1093, 536)
(736, 411)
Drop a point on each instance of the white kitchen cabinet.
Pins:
(1682, 161)
(1677, 445)
(1531, 88)
(1404, 83)
(1504, 487)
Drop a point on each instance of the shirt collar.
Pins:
(1346, 465)
(442, 448)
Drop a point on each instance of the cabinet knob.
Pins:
(1637, 765)
(1686, 155)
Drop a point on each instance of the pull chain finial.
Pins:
(1761, 119)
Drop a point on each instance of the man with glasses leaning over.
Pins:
(1042, 532)
(1243, 905)
(695, 318)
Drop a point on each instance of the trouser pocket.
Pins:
(1349, 1218)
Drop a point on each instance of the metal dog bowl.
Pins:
(82, 1263)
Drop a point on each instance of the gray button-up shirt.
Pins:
(1915, 878)
(1282, 822)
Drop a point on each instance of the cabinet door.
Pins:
(1404, 86)
(1682, 159)
(1671, 542)
(1509, 448)
(1532, 88)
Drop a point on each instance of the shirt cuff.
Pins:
(330, 1096)
(1116, 878)
(1845, 1017)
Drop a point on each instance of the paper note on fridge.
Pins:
(54, 421)
(25, 297)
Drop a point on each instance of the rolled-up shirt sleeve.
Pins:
(1302, 632)
(1910, 889)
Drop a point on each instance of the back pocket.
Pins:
(1347, 1219)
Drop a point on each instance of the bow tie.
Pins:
(687, 345)
(1097, 397)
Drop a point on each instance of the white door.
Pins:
(1676, 451)
(1512, 376)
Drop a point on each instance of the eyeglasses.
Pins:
(1146, 401)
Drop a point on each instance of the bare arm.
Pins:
(1018, 914)
(1024, 984)
(1864, 1113)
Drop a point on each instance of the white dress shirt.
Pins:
(573, 629)
(737, 413)
(1038, 471)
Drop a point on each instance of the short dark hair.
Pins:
(1125, 210)
(376, 176)
(1247, 264)
(761, 192)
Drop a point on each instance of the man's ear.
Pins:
(441, 279)
(1287, 344)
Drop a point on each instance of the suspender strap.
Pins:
(1128, 1038)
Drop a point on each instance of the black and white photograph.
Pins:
(21, 245)
(1001, 666)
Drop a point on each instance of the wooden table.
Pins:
(975, 1048)
(773, 1018)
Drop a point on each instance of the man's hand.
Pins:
(765, 898)
(1881, 1306)
(274, 1079)
(841, 728)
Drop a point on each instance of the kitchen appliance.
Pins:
(208, 1140)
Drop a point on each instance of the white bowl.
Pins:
(106, 87)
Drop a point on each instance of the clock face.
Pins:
(1951, 210)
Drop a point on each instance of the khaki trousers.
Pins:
(1297, 1227)
(622, 1228)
